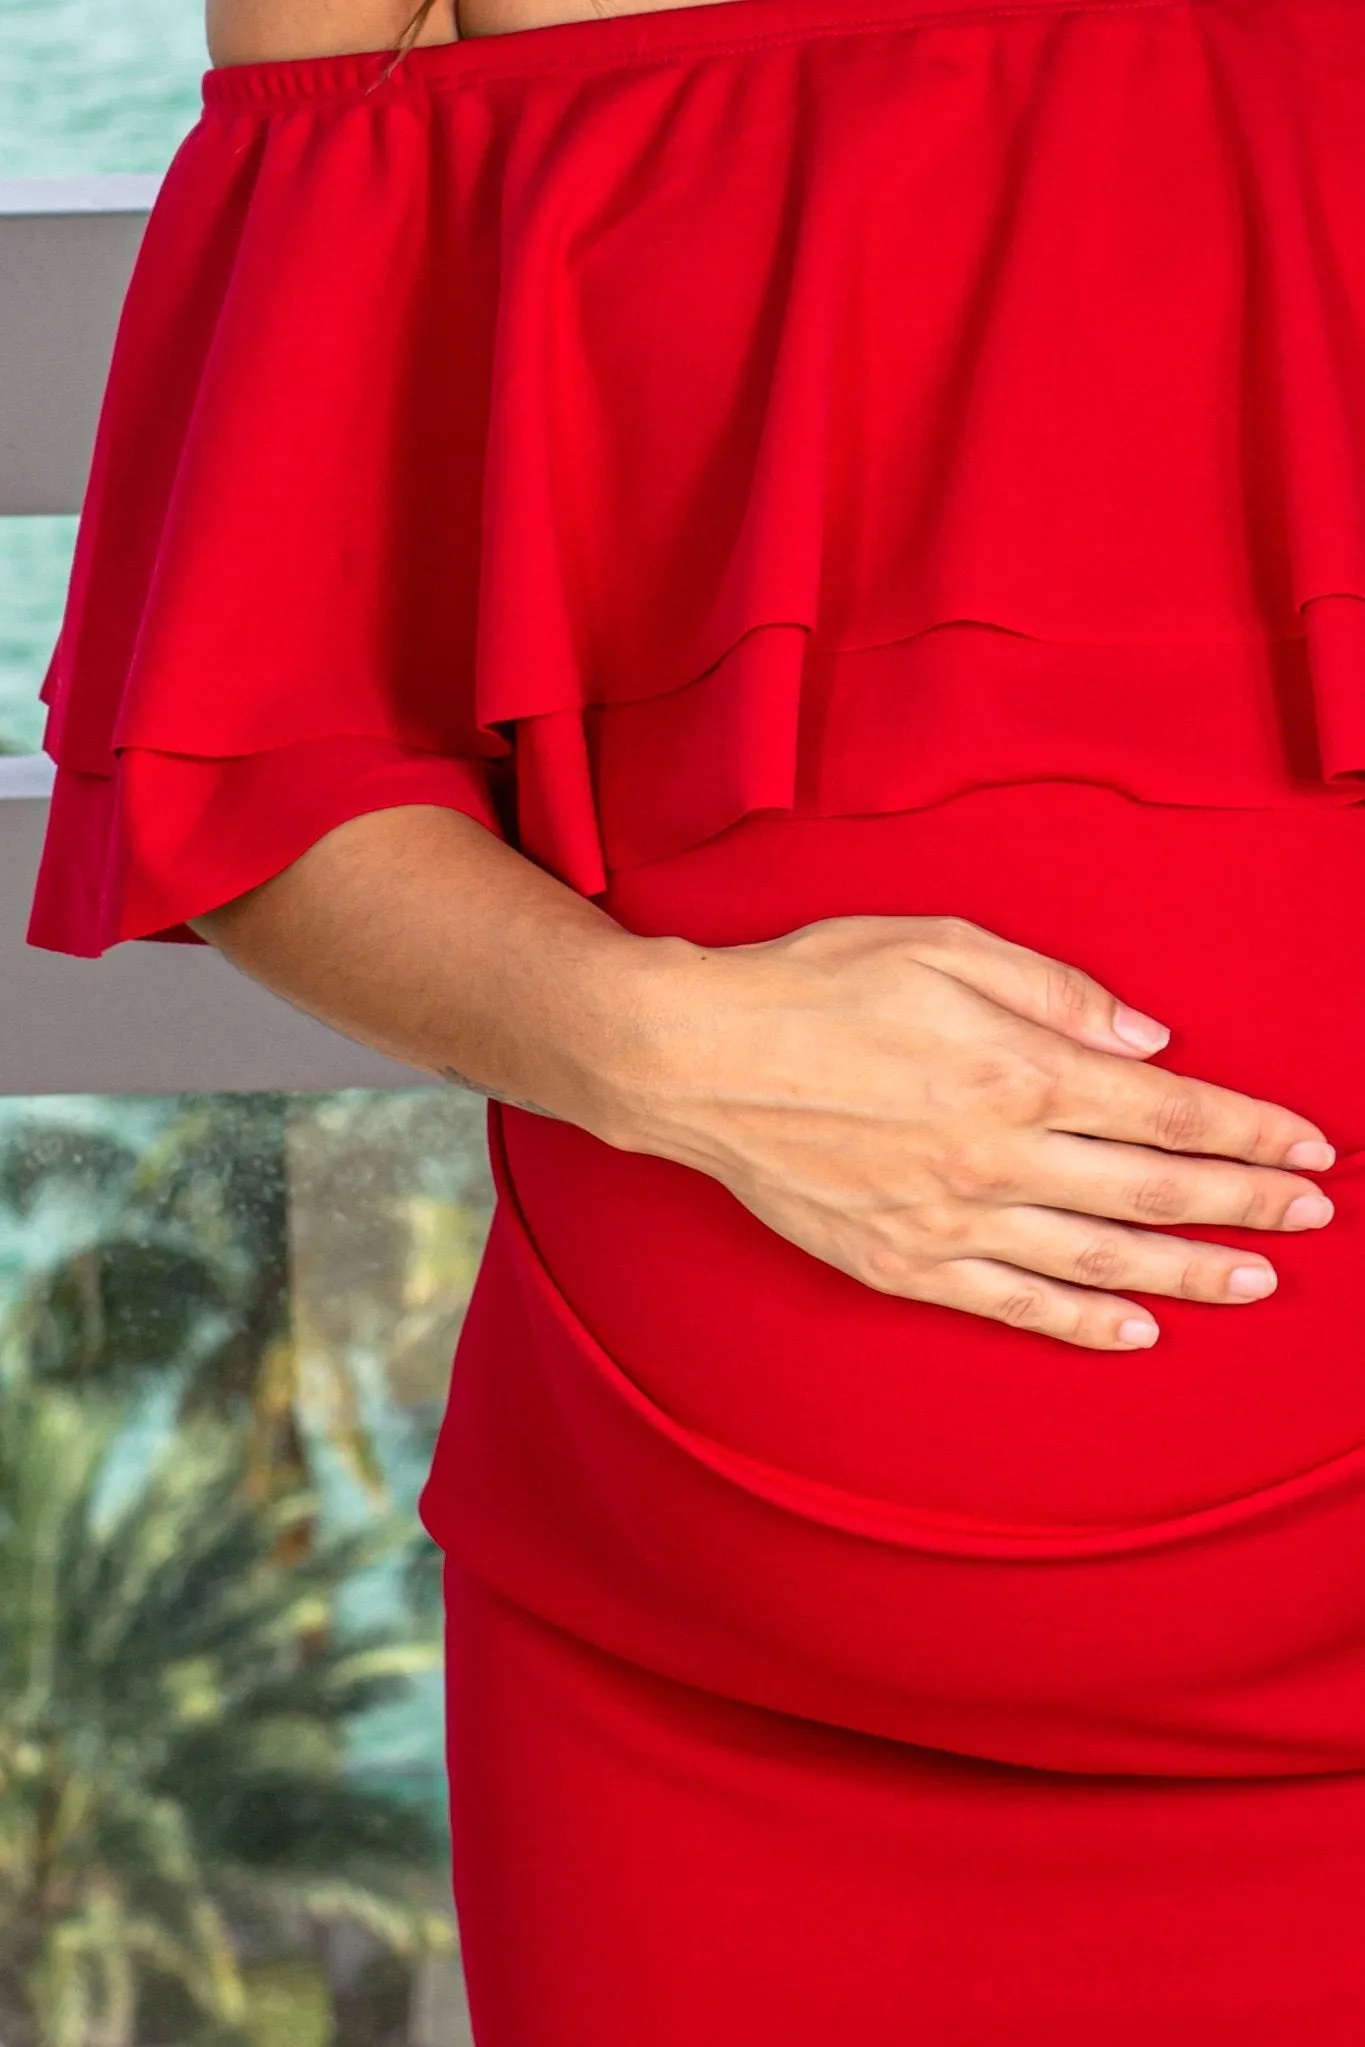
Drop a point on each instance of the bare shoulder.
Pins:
(262, 31)
(500, 17)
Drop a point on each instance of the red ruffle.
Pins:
(169, 836)
(727, 409)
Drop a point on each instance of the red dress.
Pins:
(773, 461)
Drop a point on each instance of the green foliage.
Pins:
(288, 2006)
(174, 1701)
(266, 1253)
(177, 1692)
(136, 1260)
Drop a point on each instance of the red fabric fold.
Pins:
(167, 837)
(1225, 1642)
(517, 407)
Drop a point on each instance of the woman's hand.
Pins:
(938, 1112)
(953, 1118)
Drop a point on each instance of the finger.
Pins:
(1146, 1105)
(1091, 1253)
(1130, 1183)
(1032, 985)
(1028, 1300)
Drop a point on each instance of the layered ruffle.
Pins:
(758, 407)
(170, 836)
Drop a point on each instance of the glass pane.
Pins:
(226, 1324)
(83, 88)
(35, 562)
(94, 88)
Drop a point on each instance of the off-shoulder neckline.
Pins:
(603, 44)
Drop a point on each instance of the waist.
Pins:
(1234, 928)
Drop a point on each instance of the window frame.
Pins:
(149, 1017)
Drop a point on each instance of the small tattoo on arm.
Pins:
(476, 1087)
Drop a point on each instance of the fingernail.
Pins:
(1252, 1282)
(1308, 1212)
(1137, 1335)
(1136, 1029)
(1309, 1155)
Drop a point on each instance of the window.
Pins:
(230, 1284)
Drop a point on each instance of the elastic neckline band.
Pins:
(603, 43)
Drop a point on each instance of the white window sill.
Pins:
(26, 774)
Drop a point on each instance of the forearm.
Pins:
(416, 932)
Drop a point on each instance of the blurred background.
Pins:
(83, 88)
(226, 1323)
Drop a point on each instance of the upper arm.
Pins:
(262, 31)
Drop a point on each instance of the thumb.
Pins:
(1046, 991)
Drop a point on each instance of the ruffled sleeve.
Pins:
(269, 621)
(622, 428)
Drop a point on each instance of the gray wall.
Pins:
(149, 1018)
